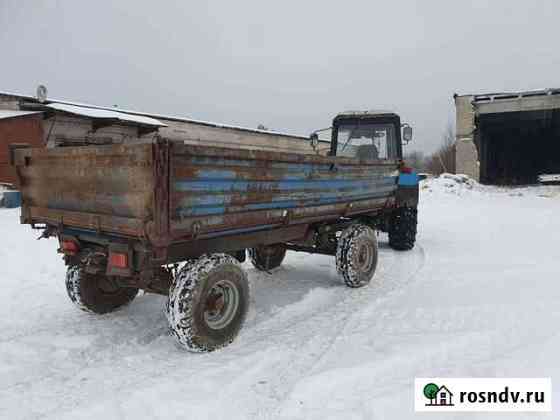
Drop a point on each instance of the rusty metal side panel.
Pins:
(110, 188)
(216, 190)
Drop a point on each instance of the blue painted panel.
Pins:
(188, 208)
(218, 185)
(11, 199)
(229, 198)
(205, 161)
(408, 179)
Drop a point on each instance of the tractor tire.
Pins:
(266, 258)
(208, 303)
(95, 293)
(402, 228)
(356, 255)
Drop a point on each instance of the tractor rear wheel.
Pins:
(402, 228)
(96, 293)
(208, 303)
(266, 258)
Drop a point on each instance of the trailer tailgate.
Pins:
(102, 188)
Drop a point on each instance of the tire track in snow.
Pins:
(321, 330)
(378, 289)
(306, 334)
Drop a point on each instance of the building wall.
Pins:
(24, 129)
(64, 129)
(9, 102)
(466, 154)
(471, 108)
(520, 104)
(60, 128)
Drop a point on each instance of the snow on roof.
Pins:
(105, 114)
(513, 95)
(7, 113)
(191, 120)
(164, 117)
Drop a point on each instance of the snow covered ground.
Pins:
(478, 296)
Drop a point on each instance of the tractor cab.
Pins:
(377, 135)
(369, 135)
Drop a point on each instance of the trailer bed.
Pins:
(167, 191)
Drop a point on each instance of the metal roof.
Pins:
(151, 115)
(7, 113)
(105, 114)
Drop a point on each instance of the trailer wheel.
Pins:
(356, 255)
(95, 293)
(402, 228)
(266, 258)
(208, 303)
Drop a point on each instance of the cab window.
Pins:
(367, 141)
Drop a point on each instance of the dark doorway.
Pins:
(516, 147)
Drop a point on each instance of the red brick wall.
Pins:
(25, 129)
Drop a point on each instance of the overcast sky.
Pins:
(291, 65)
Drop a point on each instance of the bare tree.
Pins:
(416, 160)
(443, 159)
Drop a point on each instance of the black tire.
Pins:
(402, 228)
(266, 258)
(95, 293)
(356, 255)
(208, 303)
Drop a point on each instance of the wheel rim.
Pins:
(365, 257)
(221, 304)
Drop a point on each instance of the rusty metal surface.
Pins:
(170, 192)
(215, 189)
(158, 229)
(181, 250)
(91, 221)
(104, 188)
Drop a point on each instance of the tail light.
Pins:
(118, 260)
(69, 247)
